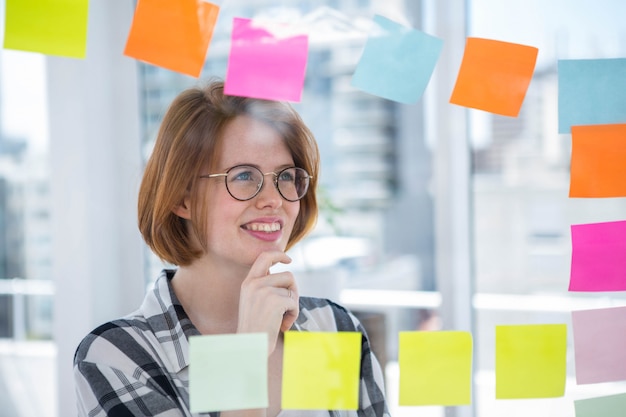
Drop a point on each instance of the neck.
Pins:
(210, 295)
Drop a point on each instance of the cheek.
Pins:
(292, 211)
(221, 211)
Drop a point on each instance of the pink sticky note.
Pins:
(266, 61)
(600, 345)
(598, 257)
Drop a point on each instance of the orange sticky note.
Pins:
(172, 34)
(494, 76)
(598, 165)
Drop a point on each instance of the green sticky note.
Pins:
(435, 368)
(228, 372)
(609, 406)
(530, 361)
(52, 27)
(321, 370)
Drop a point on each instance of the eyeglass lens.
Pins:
(244, 182)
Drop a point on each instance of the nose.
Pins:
(268, 194)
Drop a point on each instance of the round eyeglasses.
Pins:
(244, 182)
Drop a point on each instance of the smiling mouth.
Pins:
(262, 227)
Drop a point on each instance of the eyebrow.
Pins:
(277, 168)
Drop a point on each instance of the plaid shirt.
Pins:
(138, 365)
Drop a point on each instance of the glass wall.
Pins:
(376, 167)
(27, 353)
(378, 245)
(374, 240)
(520, 184)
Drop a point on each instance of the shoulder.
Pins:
(118, 369)
(123, 338)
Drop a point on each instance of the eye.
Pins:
(288, 175)
(244, 174)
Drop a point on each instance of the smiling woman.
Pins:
(223, 236)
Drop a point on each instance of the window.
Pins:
(520, 183)
(377, 246)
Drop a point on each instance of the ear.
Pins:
(183, 209)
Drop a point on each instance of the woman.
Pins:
(230, 186)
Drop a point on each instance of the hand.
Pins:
(268, 303)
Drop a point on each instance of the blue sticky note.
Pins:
(397, 62)
(591, 92)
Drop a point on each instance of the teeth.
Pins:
(263, 227)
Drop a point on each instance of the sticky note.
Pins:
(267, 61)
(591, 92)
(598, 161)
(530, 361)
(321, 370)
(397, 62)
(608, 406)
(183, 46)
(51, 27)
(435, 368)
(494, 76)
(598, 257)
(600, 345)
(228, 372)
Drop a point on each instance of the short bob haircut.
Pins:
(189, 141)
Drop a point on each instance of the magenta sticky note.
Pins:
(598, 257)
(266, 61)
(600, 345)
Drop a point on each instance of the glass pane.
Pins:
(522, 212)
(376, 227)
(27, 351)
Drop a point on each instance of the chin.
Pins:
(268, 247)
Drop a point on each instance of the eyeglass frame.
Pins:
(260, 187)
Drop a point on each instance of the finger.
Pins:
(292, 312)
(280, 281)
(293, 308)
(264, 262)
(292, 291)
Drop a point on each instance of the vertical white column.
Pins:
(452, 185)
(452, 171)
(95, 169)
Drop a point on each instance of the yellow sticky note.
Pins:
(228, 372)
(52, 27)
(321, 370)
(435, 368)
(530, 361)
